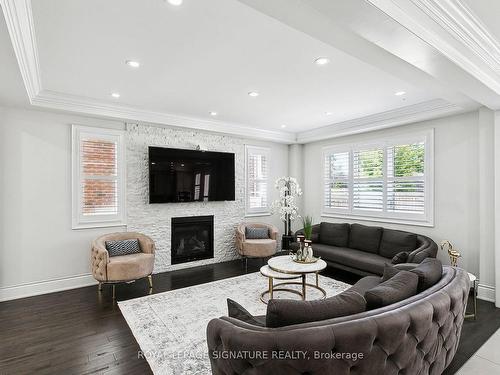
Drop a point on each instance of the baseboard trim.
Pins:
(486, 292)
(44, 287)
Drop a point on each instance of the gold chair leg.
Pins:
(150, 280)
(99, 288)
(114, 291)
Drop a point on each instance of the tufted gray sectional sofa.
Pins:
(364, 250)
(418, 335)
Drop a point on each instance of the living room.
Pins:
(249, 187)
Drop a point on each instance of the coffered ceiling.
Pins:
(200, 60)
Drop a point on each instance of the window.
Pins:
(257, 180)
(388, 180)
(98, 177)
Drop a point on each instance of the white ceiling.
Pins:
(207, 55)
(204, 56)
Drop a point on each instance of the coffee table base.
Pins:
(275, 288)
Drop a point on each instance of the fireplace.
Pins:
(192, 238)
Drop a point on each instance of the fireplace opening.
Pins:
(192, 238)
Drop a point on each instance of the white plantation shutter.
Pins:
(336, 186)
(368, 180)
(390, 179)
(406, 178)
(98, 177)
(257, 179)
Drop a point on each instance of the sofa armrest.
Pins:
(427, 249)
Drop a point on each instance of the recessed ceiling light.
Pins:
(283, 126)
(253, 94)
(133, 64)
(175, 2)
(115, 95)
(400, 93)
(212, 113)
(328, 113)
(322, 61)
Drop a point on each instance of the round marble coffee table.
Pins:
(285, 265)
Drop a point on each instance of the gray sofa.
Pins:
(417, 335)
(365, 249)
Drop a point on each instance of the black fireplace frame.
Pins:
(189, 220)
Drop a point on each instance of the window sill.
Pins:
(257, 214)
(379, 219)
(97, 225)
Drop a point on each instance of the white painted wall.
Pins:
(462, 188)
(39, 252)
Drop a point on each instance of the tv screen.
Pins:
(177, 175)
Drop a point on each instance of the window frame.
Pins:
(261, 211)
(79, 221)
(426, 219)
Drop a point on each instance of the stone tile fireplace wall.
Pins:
(155, 219)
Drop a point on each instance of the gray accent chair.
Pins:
(418, 335)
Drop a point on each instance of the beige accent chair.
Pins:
(256, 248)
(122, 268)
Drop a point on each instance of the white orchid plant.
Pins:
(286, 204)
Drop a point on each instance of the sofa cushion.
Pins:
(334, 234)
(429, 272)
(358, 259)
(235, 310)
(285, 312)
(399, 287)
(366, 283)
(365, 238)
(401, 257)
(123, 247)
(254, 233)
(396, 241)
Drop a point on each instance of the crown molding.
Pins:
(77, 104)
(460, 35)
(18, 14)
(19, 18)
(400, 116)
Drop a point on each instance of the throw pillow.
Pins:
(122, 247)
(285, 312)
(253, 233)
(429, 272)
(396, 241)
(400, 257)
(334, 234)
(365, 238)
(399, 287)
(235, 310)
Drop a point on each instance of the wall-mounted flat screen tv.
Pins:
(178, 175)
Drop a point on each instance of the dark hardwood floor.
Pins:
(80, 332)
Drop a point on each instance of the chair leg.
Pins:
(246, 264)
(150, 280)
(99, 288)
(114, 291)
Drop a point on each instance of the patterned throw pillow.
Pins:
(253, 233)
(123, 247)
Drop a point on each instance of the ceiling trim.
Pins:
(18, 14)
(78, 104)
(19, 19)
(477, 51)
(400, 116)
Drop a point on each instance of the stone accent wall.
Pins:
(155, 219)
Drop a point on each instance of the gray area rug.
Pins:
(170, 327)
